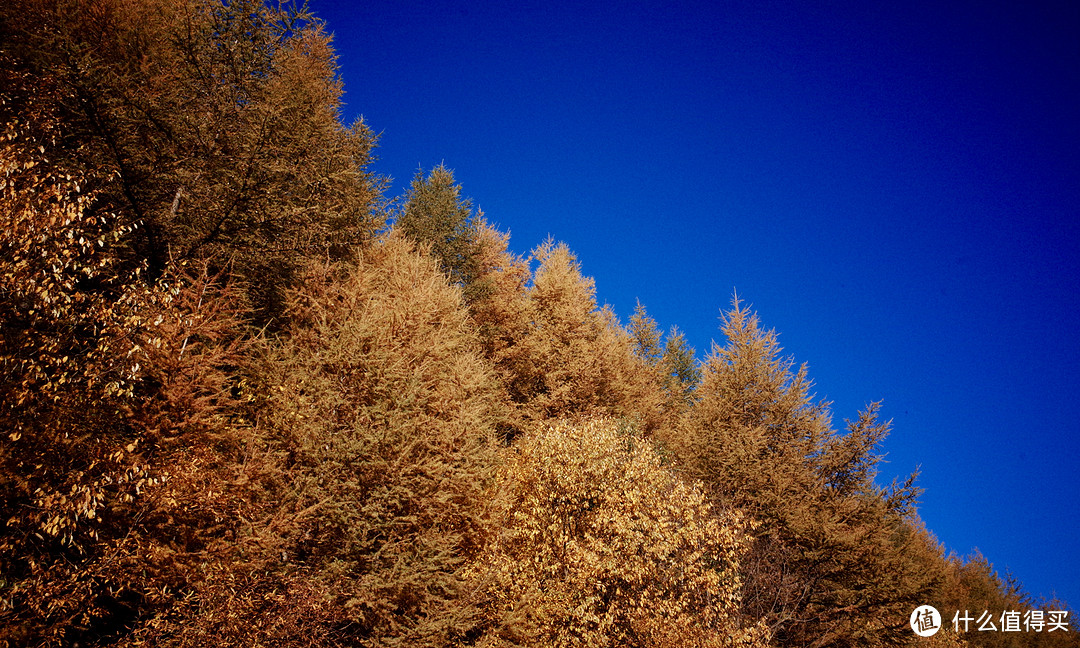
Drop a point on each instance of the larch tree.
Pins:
(501, 311)
(978, 596)
(429, 444)
(575, 358)
(213, 127)
(382, 411)
(833, 561)
(436, 214)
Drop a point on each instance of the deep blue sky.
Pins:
(894, 187)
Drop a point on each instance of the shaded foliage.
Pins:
(211, 127)
(435, 214)
(672, 360)
(680, 370)
(112, 386)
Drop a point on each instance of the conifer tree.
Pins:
(501, 312)
(382, 414)
(977, 595)
(832, 562)
(212, 127)
(670, 362)
(646, 336)
(681, 373)
(575, 358)
(436, 214)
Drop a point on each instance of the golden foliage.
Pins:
(108, 377)
(382, 413)
(501, 310)
(392, 465)
(212, 127)
(599, 545)
(835, 559)
(970, 585)
(568, 357)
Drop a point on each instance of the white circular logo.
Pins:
(925, 620)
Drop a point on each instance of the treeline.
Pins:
(246, 399)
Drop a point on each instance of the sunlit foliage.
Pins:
(832, 561)
(574, 357)
(382, 413)
(234, 413)
(600, 545)
(971, 587)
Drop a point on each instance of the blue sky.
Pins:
(894, 187)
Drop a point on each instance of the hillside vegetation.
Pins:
(248, 400)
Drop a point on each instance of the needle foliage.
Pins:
(237, 408)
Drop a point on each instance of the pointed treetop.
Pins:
(645, 335)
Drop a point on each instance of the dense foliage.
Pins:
(237, 407)
(600, 545)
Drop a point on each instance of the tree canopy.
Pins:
(247, 399)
